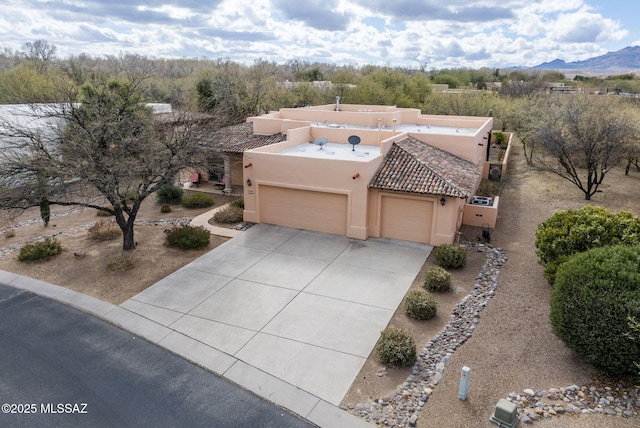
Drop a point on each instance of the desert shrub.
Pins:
(500, 139)
(238, 203)
(130, 197)
(165, 208)
(45, 211)
(420, 305)
(102, 213)
(595, 295)
(451, 256)
(229, 214)
(104, 230)
(169, 195)
(121, 264)
(40, 251)
(188, 237)
(567, 232)
(396, 347)
(437, 278)
(197, 200)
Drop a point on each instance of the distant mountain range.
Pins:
(622, 61)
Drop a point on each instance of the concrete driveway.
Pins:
(303, 307)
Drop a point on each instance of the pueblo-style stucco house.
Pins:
(359, 170)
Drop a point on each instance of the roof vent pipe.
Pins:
(337, 103)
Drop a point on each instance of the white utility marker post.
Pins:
(464, 383)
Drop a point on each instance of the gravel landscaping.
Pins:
(501, 330)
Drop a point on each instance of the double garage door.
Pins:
(304, 209)
(405, 218)
(409, 219)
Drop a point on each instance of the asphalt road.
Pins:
(62, 367)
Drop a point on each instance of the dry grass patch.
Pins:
(121, 263)
(104, 230)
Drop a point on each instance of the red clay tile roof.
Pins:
(238, 138)
(416, 167)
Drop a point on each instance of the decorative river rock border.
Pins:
(400, 407)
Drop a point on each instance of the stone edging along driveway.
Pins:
(400, 407)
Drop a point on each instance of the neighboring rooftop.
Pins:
(405, 127)
(238, 138)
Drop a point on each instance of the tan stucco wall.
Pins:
(237, 171)
(505, 161)
(269, 168)
(479, 215)
(325, 175)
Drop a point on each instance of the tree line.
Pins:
(122, 153)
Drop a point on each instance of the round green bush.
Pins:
(169, 195)
(420, 305)
(230, 214)
(437, 279)
(451, 256)
(197, 200)
(188, 238)
(396, 347)
(165, 208)
(568, 232)
(40, 251)
(595, 294)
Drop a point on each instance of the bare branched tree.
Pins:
(519, 116)
(582, 137)
(531, 87)
(108, 152)
(41, 53)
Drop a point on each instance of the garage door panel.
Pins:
(406, 218)
(304, 209)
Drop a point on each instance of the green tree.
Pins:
(22, 84)
(517, 117)
(311, 75)
(462, 104)
(224, 96)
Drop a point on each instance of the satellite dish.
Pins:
(320, 142)
(354, 140)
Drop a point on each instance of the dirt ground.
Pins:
(511, 349)
(84, 264)
(375, 380)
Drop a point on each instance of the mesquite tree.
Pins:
(109, 151)
(581, 137)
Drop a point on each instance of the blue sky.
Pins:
(411, 33)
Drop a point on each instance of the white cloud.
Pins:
(585, 27)
(456, 33)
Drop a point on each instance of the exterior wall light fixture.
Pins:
(249, 182)
(443, 201)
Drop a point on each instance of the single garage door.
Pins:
(304, 209)
(408, 219)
